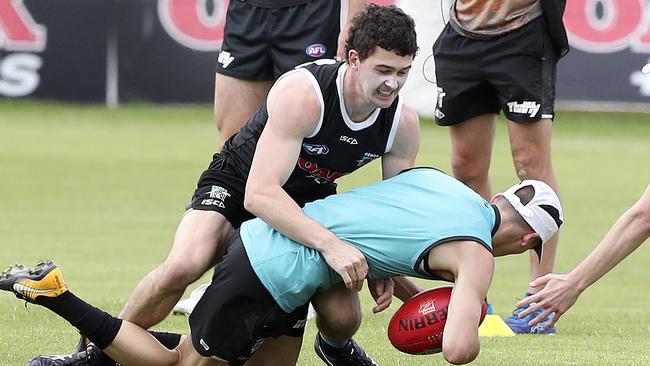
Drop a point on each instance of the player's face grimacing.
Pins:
(382, 75)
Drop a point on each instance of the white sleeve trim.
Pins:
(317, 90)
(393, 129)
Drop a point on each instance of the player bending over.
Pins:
(420, 223)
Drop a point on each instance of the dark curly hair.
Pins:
(385, 26)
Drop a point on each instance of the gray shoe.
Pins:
(87, 357)
(350, 355)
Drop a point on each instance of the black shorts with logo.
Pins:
(514, 73)
(237, 313)
(221, 189)
(263, 42)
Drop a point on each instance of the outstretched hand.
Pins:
(559, 293)
(348, 262)
(382, 292)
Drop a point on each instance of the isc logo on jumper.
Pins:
(349, 140)
(316, 149)
(316, 50)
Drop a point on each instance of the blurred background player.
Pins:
(263, 39)
(559, 292)
(495, 56)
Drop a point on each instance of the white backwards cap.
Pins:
(543, 212)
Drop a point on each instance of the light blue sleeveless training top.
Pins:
(393, 223)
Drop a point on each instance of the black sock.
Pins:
(169, 340)
(105, 360)
(99, 326)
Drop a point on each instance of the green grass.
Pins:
(101, 192)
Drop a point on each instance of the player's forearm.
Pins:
(627, 234)
(405, 148)
(276, 208)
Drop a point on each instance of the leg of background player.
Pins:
(235, 101)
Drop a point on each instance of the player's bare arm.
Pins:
(560, 292)
(294, 113)
(402, 156)
(406, 145)
(472, 267)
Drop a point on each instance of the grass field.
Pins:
(101, 192)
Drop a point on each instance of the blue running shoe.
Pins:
(520, 326)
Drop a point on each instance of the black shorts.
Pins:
(237, 313)
(514, 73)
(221, 189)
(262, 43)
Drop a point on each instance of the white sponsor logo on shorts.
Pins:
(256, 346)
(225, 58)
(205, 345)
(218, 195)
(300, 324)
(525, 107)
(219, 192)
(441, 96)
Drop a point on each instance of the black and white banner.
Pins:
(165, 50)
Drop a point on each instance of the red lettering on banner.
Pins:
(18, 30)
(604, 26)
(190, 24)
(643, 44)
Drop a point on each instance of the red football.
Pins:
(416, 327)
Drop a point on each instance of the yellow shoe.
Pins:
(28, 284)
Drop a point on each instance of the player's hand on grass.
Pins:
(382, 292)
(559, 293)
(348, 262)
